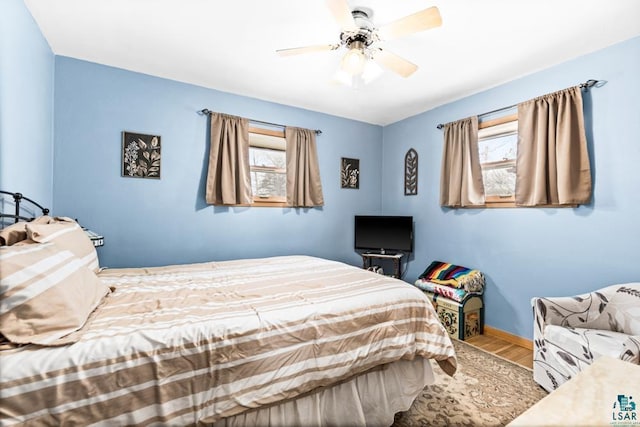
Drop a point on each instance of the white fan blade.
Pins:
(306, 49)
(419, 21)
(395, 63)
(342, 14)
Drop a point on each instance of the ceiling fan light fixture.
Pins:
(354, 60)
(371, 72)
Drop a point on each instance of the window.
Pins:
(268, 165)
(497, 146)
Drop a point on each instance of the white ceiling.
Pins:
(230, 45)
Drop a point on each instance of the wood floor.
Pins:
(515, 353)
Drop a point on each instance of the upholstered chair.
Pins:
(571, 332)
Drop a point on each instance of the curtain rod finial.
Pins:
(204, 111)
(590, 83)
(440, 126)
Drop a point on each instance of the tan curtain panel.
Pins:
(461, 176)
(552, 165)
(228, 177)
(304, 188)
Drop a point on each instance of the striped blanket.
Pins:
(191, 344)
(454, 276)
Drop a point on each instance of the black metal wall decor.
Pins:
(350, 173)
(140, 155)
(411, 173)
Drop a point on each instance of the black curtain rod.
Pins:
(208, 112)
(586, 85)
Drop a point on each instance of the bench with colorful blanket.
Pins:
(456, 294)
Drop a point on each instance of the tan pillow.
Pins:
(17, 232)
(66, 234)
(46, 293)
(13, 234)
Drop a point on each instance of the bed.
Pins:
(292, 340)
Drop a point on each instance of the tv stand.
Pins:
(367, 258)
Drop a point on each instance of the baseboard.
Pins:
(506, 336)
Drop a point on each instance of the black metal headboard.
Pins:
(17, 199)
(96, 239)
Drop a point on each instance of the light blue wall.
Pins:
(533, 252)
(26, 105)
(153, 222)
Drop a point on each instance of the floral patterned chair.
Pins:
(571, 332)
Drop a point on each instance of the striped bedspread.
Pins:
(190, 344)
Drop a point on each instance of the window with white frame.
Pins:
(497, 146)
(268, 165)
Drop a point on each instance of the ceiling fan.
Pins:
(359, 36)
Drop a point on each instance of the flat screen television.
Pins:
(385, 234)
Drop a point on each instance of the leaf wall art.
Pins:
(140, 155)
(411, 173)
(349, 173)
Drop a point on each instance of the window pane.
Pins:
(268, 173)
(268, 184)
(497, 149)
(498, 161)
(499, 181)
(267, 158)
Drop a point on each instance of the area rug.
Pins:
(485, 391)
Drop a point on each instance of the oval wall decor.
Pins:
(411, 173)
